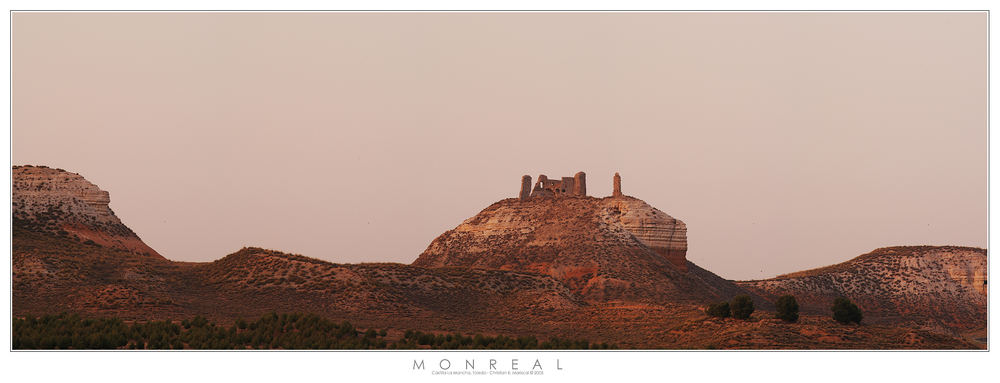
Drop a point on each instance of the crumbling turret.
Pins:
(618, 186)
(580, 183)
(525, 188)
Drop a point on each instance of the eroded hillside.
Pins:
(937, 286)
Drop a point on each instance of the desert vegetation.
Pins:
(417, 339)
(718, 310)
(845, 311)
(787, 308)
(272, 331)
(742, 307)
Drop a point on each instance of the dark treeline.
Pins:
(416, 339)
(272, 331)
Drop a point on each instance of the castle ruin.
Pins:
(575, 185)
(567, 186)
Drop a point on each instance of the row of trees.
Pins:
(787, 309)
(415, 339)
(272, 331)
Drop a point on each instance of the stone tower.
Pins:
(618, 186)
(580, 184)
(525, 188)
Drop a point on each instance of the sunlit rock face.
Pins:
(56, 201)
(38, 191)
(666, 235)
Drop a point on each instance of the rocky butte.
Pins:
(65, 203)
(616, 247)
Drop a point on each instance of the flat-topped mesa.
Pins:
(568, 186)
(37, 189)
(58, 202)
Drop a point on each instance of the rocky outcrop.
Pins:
(937, 286)
(666, 235)
(39, 189)
(63, 203)
(602, 248)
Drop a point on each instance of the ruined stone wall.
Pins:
(567, 185)
(576, 185)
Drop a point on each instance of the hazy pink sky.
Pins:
(785, 141)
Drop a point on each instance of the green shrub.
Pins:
(718, 310)
(788, 308)
(742, 307)
(844, 311)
